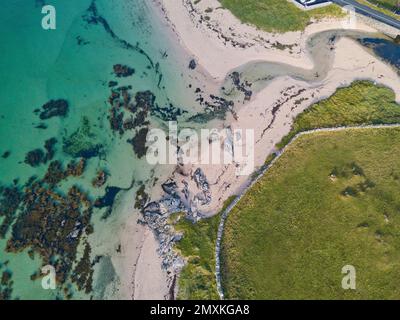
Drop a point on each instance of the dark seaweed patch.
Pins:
(37, 157)
(6, 154)
(10, 199)
(81, 143)
(92, 17)
(54, 108)
(6, 285)
(139, 142)
(51, 224)
(82, 275)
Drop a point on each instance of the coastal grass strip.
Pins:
(197, 278)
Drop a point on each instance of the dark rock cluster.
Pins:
(6, 284)
(241, 86)
(10, 199)
(214, 108)
(141, 197)
(54, 108)
(51, 224)
(130, 112)
(82, 142)
(55, 172)
(123, 71)
(202, 183)
(82, 274)
(139, 142)
(192, 64)
(37, 157)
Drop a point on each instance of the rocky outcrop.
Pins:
(184, 192)
(192, 64)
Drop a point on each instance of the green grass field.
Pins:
(197, 279)
(360, 103)
(277, 15)
(331, 200)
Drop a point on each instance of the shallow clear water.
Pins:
(75, 63)
(386, 49)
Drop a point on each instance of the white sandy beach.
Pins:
(218, 56)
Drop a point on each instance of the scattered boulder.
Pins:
(192, 64)
(112, 84)
(169, 187)
(100, 179)
(153, 208)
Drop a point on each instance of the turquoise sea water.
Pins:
(75, 62)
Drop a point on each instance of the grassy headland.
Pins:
(277, 15)
(362, 103)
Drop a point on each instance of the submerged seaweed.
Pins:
(81, 143)
(10, 199)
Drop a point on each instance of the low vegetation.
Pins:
(362, 103)
(278, 15)
(389, 7)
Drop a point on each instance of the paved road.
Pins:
(367, 11)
